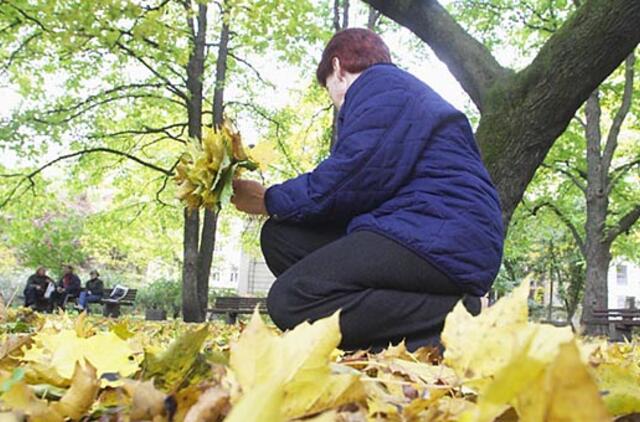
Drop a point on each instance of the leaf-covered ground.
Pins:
(497, 366)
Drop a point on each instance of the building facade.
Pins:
(624, 282)
(254, 277)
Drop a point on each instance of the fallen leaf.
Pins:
(82, 393)
(146, 401)
(170, 367)
(211, 405)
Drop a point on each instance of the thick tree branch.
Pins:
(468, 60)
(621, 114)
(567, 222)
(527, 113)
(623, 225)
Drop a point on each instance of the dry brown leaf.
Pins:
(212, 405)
(146, 401)
(82, 393)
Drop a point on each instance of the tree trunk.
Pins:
(208, 236)
(192, 309)
(372, 18)
(190, 301)
(337, 26)
(523, 113)
(598, 239)
(595, 294)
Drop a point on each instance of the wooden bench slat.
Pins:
(235, 305)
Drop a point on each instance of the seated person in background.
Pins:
(92, 293)
(35, 288)
(69, 285)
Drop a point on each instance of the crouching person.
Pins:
(397, 225)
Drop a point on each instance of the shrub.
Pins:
(162, 294)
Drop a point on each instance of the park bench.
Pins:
(234, 306)
(111, 307)
(619, 321)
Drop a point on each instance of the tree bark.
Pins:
(190, 301)
(192, 309)
(597, 239)
(337, 26)
(208, 236)
(523, 113)
(372, 18)
(597, 251)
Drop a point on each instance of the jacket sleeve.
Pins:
(374, 155)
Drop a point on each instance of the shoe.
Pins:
(78, 308)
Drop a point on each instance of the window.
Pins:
(621, 275)
(233, 277)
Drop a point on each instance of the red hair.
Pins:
(356, 48)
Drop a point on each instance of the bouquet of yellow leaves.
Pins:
(206, 168)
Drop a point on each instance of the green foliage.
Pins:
(161, 294)
(511, 26)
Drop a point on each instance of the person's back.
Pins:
(447, 209)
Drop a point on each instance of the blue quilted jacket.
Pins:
(405, 166)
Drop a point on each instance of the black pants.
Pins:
(386, 292)
(34, 297)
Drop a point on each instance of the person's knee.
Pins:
(473, 304)
(268, 238)
(279, 303)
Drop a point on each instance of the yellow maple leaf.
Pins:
(20, 397)
(263, 154)
(293, 368)
(619, 383)
(170, 367)
(58, 352)
(477, 359)
(566, 391)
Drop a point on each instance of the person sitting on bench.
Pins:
(68, 286)
(34, 290)
(92, 293)
(397, 225)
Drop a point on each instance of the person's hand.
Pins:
(60, 289)
(248, 196)
(38, 287)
